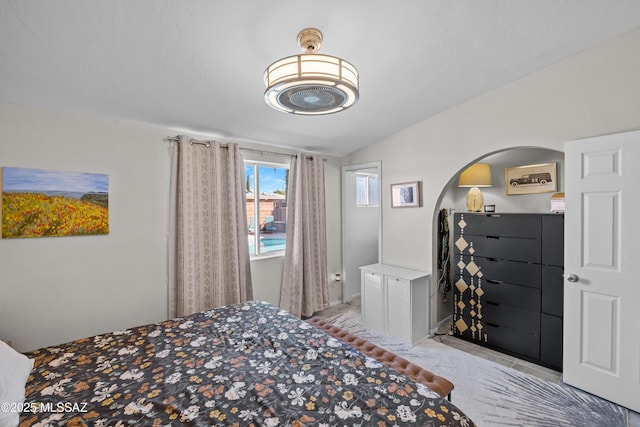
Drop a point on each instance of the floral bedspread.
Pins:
(249, 364)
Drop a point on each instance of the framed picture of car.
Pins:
(531, 179)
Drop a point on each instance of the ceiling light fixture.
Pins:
(311, 83)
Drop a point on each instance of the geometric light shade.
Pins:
(311, 83)
(476, 175)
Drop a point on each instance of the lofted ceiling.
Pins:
(196, 66)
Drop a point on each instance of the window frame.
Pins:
(365, 179)
(256, 164)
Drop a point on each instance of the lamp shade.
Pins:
(476, 175)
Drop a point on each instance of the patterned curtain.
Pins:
(305, 288)
(210, 245)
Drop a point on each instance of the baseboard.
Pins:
(443, 323)
(354, 296)
(336, 302)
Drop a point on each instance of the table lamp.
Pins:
(476, 175)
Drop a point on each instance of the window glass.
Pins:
(362, 190)
(373, 191)
(367, 190)
(266, 196)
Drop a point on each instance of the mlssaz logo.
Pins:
(532, 178)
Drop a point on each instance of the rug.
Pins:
(492, 394)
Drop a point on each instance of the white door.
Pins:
(360, 224)
(602, 255)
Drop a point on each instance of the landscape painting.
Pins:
(45, 203)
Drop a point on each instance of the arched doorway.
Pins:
(453, 199)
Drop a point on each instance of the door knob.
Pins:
(573, 278)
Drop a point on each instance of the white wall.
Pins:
(593, 93)
(62, 288)
(58, 289)
(333, 200)
(496, 194)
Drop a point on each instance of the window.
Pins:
(266, 196)
(366, 190)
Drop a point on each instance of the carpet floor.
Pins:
(495, 395)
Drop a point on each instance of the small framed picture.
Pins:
(531, 179)
(405, 195)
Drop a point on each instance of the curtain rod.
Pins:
(208, 144)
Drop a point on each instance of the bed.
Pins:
(249, 364)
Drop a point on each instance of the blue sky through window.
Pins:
(271, 178)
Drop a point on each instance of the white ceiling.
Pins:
(197, 65)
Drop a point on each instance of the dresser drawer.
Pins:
(553, 240)
(504, 338)
(514, 306)
(551, 341)
(502, 248)
(513, 295)
(525, 225)
(499, 271)
(512, 317)
(552, 290)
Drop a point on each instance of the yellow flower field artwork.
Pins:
(44, 203)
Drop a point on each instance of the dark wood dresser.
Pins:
(508, 284)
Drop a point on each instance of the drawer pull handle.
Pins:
(494, 215)
(491, 259)
(493, 237)
(495, 282)
(493, 324)
(493, 303)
